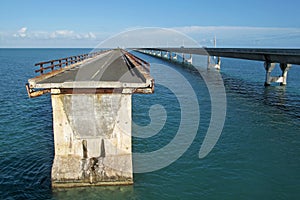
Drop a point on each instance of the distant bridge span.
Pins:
(285, 57)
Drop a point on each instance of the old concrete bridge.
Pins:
(91, 103)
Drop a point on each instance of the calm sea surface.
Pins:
(257, 155)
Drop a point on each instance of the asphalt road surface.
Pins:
(109, 66)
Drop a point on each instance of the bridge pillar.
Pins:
(278, 79)
(190, 60)
(166, 54)
(284, 68)
(175, 57)
(208, 62)
(92, 139)
(269, 68)
(213, 65)
(218, 65)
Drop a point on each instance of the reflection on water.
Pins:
(276, 96)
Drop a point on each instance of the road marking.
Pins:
(97, 72)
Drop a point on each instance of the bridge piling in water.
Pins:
(214, 65)
(284, 68)
(92, 139)
(269, 67)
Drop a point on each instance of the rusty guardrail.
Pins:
(64, 62)
(143, 68)
(57, 66)
(137, 61)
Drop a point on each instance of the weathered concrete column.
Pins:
(269, 68)
(278, 79)
(219, 61)
(218, 65)
(159, 54)
(175, 57)
(92, 139)
(284, 68)
(166, 54)
(214, 65)
(190, 60)
(208, 62)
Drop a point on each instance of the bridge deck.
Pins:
(111, 69)
(288, 56)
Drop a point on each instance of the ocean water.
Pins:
(256, 156)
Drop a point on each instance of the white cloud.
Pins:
(91, 35)
(39, 35)
(69, 34)
(21, 33)
(227, 36)
(62, 34)
(62, 37)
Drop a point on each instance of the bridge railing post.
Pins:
(42, 69)
(60, 65)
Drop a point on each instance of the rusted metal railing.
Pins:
(57, 66)
(140, 67)
(137, 61)
(63, 62)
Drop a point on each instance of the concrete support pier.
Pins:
(92, 139)
(91, 103)
(215, 65)
(284, 68)
(277, 79)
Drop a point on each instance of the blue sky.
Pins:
(71, 23)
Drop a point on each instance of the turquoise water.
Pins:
(257, 155)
